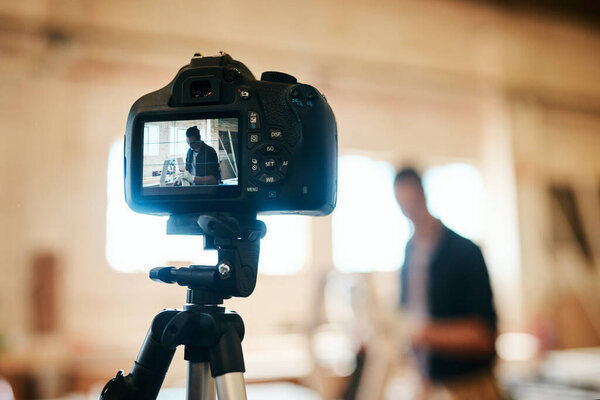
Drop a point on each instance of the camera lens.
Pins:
(200, 89)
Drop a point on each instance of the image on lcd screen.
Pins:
(190, 153)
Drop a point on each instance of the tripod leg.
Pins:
(148, 371)
(227, 365)
(201, 385)
(231, 386)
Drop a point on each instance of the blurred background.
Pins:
(496, 102)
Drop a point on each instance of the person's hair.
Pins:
(408, 174)
(192, 131)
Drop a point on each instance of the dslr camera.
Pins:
(212, 149)
(215, 139)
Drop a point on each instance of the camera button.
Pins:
(255, 169)
(272, 194)
(283, 167)
(276, 134)
(269, 164)
(270, 149)
(253, 121)
(252, 189)
(231, 75)
(245, 94)
(269, 178)
(253, 139)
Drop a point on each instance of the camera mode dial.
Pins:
(279, 77)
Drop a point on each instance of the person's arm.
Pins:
(205, 180)
(467, 336)
(212, 166)
(212, 169)
(199, 180)
(473, 333)
(210, 178)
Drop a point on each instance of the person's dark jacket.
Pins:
(207, 162)
(458, 287)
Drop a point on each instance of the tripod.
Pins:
(212, 336)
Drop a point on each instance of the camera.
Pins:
(212, 149)
(215, 139)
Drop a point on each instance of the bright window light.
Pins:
(138, 242)
(517, 346)
(151, 140)
(369, 230)
(283, 250)
(177, 142)
(456, 195)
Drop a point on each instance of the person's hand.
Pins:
(418, 336)
(417, 330)
(188, 177)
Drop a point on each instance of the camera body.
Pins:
(250, 146)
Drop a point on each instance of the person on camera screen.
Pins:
(201, 161)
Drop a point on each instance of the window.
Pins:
(283, 250)
(138, 242)
(369, 230)
(177, 142)
(456, 195)
(151, 140)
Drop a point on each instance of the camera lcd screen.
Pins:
(184, 156)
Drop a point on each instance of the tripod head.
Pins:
(236, 237)
(211, 335)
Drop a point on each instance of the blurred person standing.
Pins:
(446, 294)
